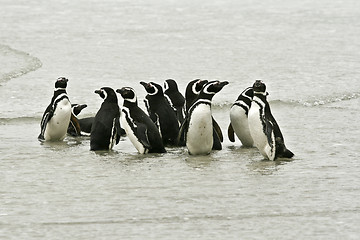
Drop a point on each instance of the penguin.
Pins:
(239, 118)
(139, 127)
(198, 125)
(192, 91)
(74, 128)
(105, 129)
(56, 118)
(175, 98)
(264, 129)
(161, 113)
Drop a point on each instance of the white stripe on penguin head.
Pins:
(207, 87)
(166, 86)
(134, 99)
(104, 92)
(194, 87)
(155, 91)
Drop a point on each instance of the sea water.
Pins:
(306, 52)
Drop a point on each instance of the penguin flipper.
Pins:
(231, 133)
(217, 141)
(45, 119)
(218, 130)
(142, 134)
(118, 129)
(181, 139)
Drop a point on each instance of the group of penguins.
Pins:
(171, 119)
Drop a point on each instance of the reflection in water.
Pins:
(266, 167)
(201, 161)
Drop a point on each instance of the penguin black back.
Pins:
(161, 112)
(175, 98)
(105, 129)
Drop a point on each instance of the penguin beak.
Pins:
(224, 83)
(147, 86)
(98, 92)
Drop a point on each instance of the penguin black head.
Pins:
(76, 108)
(170, 85)
(152, 88)
(213, 87)
(195, 86)
(108, 94)
(128, 94)
(61, 82)
(259, 87)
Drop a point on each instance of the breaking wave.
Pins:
(16, 63)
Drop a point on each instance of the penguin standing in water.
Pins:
(139, 127)
(56, 118)
(74, 128)
(198, 125)
(105, 129)
(161, 112)
(239, 118)
(175, 98)
(263, 128)
(192, 92)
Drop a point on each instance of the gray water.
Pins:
(308, 54)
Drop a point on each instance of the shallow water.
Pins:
(308, 55)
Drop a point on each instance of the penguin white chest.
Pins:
(57, 126)
(257, 131)
(239, 122)
(199, 138)
(125, 121)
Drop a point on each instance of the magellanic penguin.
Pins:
(105, 129)
(192, 92)
(161, 112)
(175, 98)
(56, 118)
(263, 128)
(239, 118)
(139, 128)
(198, 125)
(74, 128)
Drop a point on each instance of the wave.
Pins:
(16, 63)
(16, 120)
(328, 100)
(307, 103)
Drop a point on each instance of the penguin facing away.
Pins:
(161, 112)
(175, 98)
(139, 127)
(198, 125)
(56, 118)
(263, 128)
(239, 118)
(105, 129)
(74, 128)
